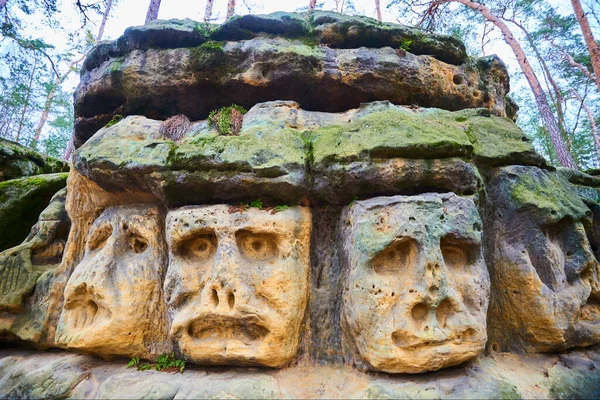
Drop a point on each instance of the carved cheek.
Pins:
(282, 283)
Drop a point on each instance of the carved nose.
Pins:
(220, 296)
(225, 289)
(431, 317)
(435, 275)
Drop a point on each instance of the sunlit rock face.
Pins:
(546, 291)
(113, 300)
(417, 288)
(237, 283)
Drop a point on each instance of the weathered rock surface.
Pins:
(417, 288)
(17, 161)
(500, 375)
(327, 63)
(545, 278)
(284, 152)
(237, 284)
(21, 202)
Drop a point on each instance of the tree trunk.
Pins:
(208, 11)
(2, 4)
(312, 4)
(152, 13)
(21, 121)
(558, 97)
(230, 9)
(589, 40)
(103, 23)
(548, 119)
(378, 10)
(60, 79)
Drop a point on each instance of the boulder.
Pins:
(284, 152)
(17, 161)
(330, 64)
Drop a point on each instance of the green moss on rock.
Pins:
(390, 132)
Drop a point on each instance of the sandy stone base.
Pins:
(57, 374)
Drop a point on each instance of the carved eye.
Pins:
(99, 237)
(458, 254)
(200, 247)
(137, 244)
(398, 257)
(257, 246)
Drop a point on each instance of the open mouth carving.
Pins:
(226, 327)
(408, 341)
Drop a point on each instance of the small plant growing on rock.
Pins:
(165, 363)
(175, 127)
(256, 204)
(227, 120)
(277, 209)
(114, 120)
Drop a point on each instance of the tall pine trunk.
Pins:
(152, 13)
(312, 4)
(378, 10)
(564, 157)
(590, 42)
(230, 8)
(58, 81)
(26, 103)
(208, 11)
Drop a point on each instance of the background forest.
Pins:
(549, 47)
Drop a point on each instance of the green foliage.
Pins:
(165, 362)
(277, 209)
(405, 44)
(225, 120)
(204, 29)
(115, 120)
(256, 204)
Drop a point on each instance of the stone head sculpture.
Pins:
(113, 299)
(237, 283)
(416, 290)
(42, 251)
(545, 288)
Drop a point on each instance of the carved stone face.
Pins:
(545, 293)
(416, 291)
(21, 266)
(113, 299)
(237, 283)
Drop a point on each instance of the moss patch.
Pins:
(546, 193)
(392, 132)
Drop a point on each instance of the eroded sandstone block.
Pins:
(545, 288)
(113, 299)
(417, 288)
(237, 283)
(171, 67)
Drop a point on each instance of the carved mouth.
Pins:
(219, 327)
(84, 314)
(408, 341)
